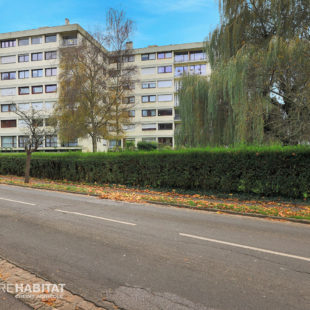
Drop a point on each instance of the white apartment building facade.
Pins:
(29, 68)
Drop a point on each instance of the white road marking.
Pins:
(22, 202)
(246, 247)
(96, 217)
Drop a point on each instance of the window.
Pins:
(51, 141)
(8, 59)
(114, 143)
(37, 122)
(129, 127)
(70, 143)
(50, 38)
(23, 90)
(164, 112)
(23, 106)
(148, 127)
(50, 55)
(148, 56)
(165, 126)
(23, 74)
(198, 69)
(197, 55)
(164, 55)
(148, 85)
(8, 43)
(149, 139)
(8, 75)
(50, 71)
(23, 58)
(147, 71)
(51, 88)
(37, 73)
(130, 58)
(49, 105)
(37, 89)
(22, 141)
(163, 84)
(8, 123)
(164, 69)
(8, 141)
(148, 113)
(8, 91)
(149, 98)
(132, 113)
(165, 141)
(180, 57)
(36, 40)
(38, 106)
(164, 97)
(36, 56)
(179, 71)
(8, 107)
(23, 41)
(69, 40)
(129, 100)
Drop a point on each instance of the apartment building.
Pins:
(159, 69)
(29, 68)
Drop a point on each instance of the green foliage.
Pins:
(259, 88)
(272, 171)
(146, 146)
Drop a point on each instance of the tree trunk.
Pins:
(94, 141)
(27, 169)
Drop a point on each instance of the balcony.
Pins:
(69, 42)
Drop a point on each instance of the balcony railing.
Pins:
(69, 42)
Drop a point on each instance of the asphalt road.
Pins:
(151, 257)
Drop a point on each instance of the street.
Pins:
(140, 256)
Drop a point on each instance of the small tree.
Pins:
(34, 132)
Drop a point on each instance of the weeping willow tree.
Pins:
(259, 88)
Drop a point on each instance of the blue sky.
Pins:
(158, 22)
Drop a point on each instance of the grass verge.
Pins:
(274, 209)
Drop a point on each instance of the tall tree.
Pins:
(121, 71)
(83, 109)
(259, 86)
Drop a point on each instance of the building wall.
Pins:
(142, 128)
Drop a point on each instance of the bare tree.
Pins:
(121, 70)
(35, 133)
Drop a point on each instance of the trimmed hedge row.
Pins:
(264, 171)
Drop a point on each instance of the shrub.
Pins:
(264, 171)
(146, 146)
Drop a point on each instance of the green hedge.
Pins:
(265, 171)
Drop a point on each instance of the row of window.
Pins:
(25, 90)
(160, 84)
(12, 123)
(25, 57)
(48, 141)
(178, 56)
(26, 41)
(160, 70)
(147, 127)
(38, 106)
(194, 69)
(160, 140)
(24, 74)
(154, 126)
(149, 98)
(152, 112)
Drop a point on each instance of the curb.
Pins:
(301, 221)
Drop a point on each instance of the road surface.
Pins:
(151, 257)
